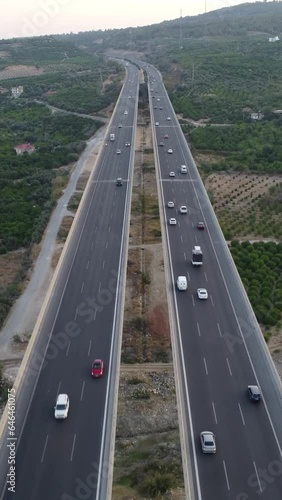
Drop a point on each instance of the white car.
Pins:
(172, 221)
(120, 125)
(202, 293)
(171, 174)
(157, 123)
(62, 406)
(129, 97)
(170, 151)
(158, 99)
(183, 169)
(168, 118)
(125, 113)
(208, 442)
(183, 209)
(170, 204)
(118, 151)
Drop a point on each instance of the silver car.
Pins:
(208, 442)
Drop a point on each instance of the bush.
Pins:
(135, 381)
(158, 483)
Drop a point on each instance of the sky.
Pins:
(42, 17)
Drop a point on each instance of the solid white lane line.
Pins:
(44, 449)
(87, 265)
(82, 286)
(192, 296)
(181, 238)
(68, 348)
(89, 348)
(211, 300)
(229, 367)
(104, 264)
(199, 331)
(206, 368)
(58, 390)
(206, 276)
(241, 413)
(73, 445)
(220, 334)
(184, 256)
(82, 390)
(214, 412)
(226, 477)
(257, 476)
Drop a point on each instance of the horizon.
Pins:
(56, 17)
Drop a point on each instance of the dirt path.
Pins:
(147, 367)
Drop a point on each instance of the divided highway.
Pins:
(220, 350)
(70, 459)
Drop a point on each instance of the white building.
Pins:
(16, 91)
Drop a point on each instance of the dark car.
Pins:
(201, 225)
(254, 393)
(161, 144)
(97, 368)
(119, 181)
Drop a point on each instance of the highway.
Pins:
(220, 350)
(71, 458)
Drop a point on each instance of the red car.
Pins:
(166, 136)
(201, 225)
(97, 368)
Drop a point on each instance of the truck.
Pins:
(197, 256)
(112, 137)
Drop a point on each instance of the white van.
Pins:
(181, 283)
(183, 169)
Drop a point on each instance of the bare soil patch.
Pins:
(10, 265)
(147, 432)
(239, 188)
(20, 71)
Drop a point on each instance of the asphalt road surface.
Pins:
(220, 349)
(70, 458)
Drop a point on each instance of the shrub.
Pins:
(158, 483)
(135, 381)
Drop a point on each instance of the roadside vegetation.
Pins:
(260, 267)
(247, 205)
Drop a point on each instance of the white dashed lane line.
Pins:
(73, 445)
(44, 449)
